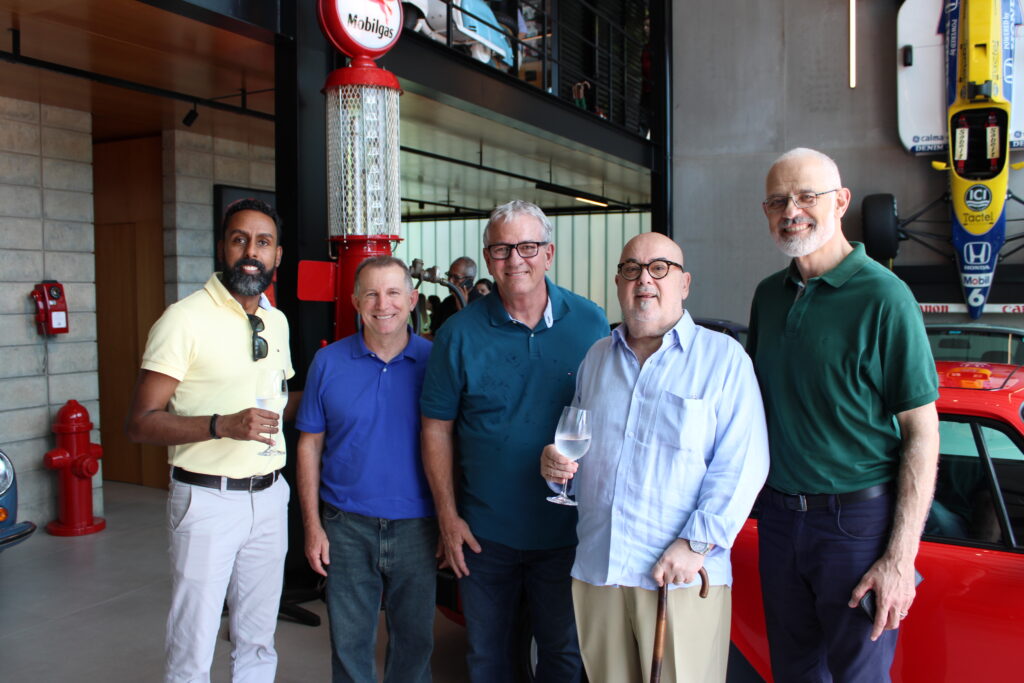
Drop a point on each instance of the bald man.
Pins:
(849, 387)
(678, 455)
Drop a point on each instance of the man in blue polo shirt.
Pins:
(359, 455)
(499, 374)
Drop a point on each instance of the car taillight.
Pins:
(3, 514)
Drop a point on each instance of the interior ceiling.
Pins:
(129, 40)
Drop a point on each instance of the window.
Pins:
(979, 494)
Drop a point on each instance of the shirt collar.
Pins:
(841, 274)
(220, 294)
(681, 334)
(556, 307)
(360, 349)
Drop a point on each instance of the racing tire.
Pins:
(411, 17)
(880, 226)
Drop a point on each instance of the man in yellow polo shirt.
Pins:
(227, 515)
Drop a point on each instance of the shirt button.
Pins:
(629, 434)
(385, 370)
(531, 335)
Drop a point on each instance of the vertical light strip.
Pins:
(853, 43)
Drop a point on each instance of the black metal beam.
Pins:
(661, 116)
(941, 283)
(256, 19)
(16, 57)
(432, 70)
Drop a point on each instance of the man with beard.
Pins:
(228, 503)
(679, 453)
(849, 389)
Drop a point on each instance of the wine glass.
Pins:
(572, 439)
(272, 394)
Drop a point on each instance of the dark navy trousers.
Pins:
(810, 562)
(500, 580)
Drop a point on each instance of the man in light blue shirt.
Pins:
(679, 453)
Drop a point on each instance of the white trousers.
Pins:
(225, 544)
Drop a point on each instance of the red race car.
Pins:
(967, 622)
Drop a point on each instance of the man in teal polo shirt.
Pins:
(499, 374)
(849, 389)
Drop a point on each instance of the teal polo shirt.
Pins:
(836, 364)
(505, 385)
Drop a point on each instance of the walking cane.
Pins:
(659, 625)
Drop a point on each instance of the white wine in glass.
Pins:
(572, 439)
(272, 395)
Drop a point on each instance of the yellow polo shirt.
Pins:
(205, 342)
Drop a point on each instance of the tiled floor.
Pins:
(93, 608)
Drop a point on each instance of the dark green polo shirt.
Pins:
(836, 364)
(505, 385)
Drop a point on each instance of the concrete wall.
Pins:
(754, 78)
(193, 164)
(46, 232)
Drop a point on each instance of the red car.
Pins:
(967, 622)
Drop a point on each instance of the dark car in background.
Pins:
(737, 331)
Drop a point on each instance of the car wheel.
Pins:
(880, 226)
(410, 17)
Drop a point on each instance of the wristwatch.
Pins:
(700, 547)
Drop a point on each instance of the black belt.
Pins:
(801, 502)
(212, 481)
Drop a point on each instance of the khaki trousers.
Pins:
(616, 631)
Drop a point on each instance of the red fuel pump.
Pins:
(363, 167)
(77, 461)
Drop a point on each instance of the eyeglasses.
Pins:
(455, 278)
(260, 349)
(500, 252)
(802, 200)
(658, 268)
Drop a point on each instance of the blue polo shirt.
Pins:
(369, 410)
(505, 385)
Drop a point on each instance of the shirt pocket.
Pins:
(681, 424)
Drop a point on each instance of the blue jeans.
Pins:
(492, 595)
(810, 562)
(380, 562)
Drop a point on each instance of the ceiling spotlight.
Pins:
(191, 116)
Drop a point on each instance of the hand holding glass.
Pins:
(272, 394)
(572, 439)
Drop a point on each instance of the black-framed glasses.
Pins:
(658, 268)
(500, 252)
(460, 280)
(777, 203)
(260, 349)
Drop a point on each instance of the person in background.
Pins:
(461, 274)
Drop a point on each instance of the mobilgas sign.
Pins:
(361, 27)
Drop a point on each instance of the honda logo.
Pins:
(977, 253)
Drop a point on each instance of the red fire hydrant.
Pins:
(77, 460)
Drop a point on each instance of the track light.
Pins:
(585, 197)
(191, 116)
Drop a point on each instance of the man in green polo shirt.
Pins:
(849, 389)
(499, 374)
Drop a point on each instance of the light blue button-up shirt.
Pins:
(679, 450)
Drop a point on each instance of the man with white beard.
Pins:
(849, 390)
